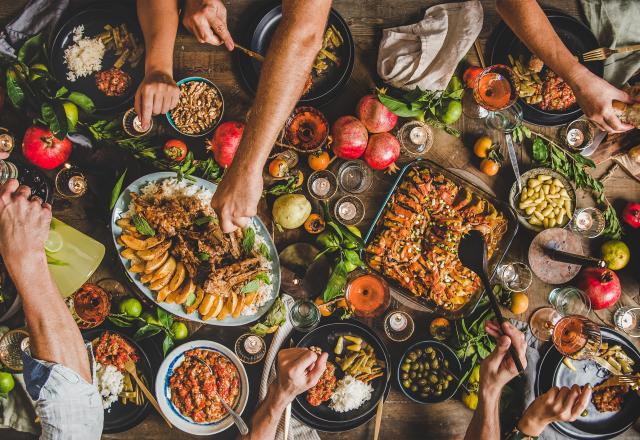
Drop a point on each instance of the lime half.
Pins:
(54, 241)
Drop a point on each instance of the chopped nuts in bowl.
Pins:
(199, 108)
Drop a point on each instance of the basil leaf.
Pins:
(204, 256)
(251, 286)
(203, 220)
(142, 225)
(399, 107)
(337, 281)
(82, 101)
(264, 251)
(115, 192)
(248, 241)
(539, 150)
(167, 344)
(263, 277)
(146, 331)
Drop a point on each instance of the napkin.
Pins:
(425, 54)
(297, 430)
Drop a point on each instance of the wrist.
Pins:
(159, 69)
(578, 76)
(21, 266)
(530, 425)
(490, 391)
(281, 396)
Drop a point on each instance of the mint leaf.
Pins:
(142, 225)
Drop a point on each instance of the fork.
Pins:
(130, 366)
(619, 380)
(604, 52)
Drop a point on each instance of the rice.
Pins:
(350, 393)
(84, 56)
(110, 383)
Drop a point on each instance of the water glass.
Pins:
(355, 176)
(588, 222)
(505, 120)
(570, 301)
(514, 276)
(627, 319)
(304, 315)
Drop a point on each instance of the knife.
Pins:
(567, 257)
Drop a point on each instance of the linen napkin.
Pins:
(297, 430)
(425, 54)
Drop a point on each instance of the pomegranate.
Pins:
(349, 137)
(43, 149)
(375, 115)
(382, 151)
(225, 141)
(601, 285)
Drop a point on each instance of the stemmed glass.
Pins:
(567, 301)
(496, 90)
(577, 337)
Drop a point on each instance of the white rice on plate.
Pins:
(110, 383)
(350, 393)
(84, 56)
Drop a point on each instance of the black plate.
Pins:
(574, 34)
(596, 425)
(121, 417)
(258, 37)
(454, 367)
(322, 417)
(94, 18)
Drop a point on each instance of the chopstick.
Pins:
(376, 430)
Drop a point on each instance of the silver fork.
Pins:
(603, 53)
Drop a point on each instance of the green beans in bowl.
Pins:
(429, 372)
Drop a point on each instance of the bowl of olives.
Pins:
(429, 372)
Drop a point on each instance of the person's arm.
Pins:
(594, 95)
(285, 70)
(158, 92)
(556, 405)
(298, 370)
(496, 371)
(24, 226)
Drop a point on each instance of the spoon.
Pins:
(242, 426)
(472, 253)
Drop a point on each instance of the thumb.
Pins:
(497, 355)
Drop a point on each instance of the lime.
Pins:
(6, 382)
(451, 112)
(179, 330)
(150, 319)
(131, 307)
(71, 111)
(54, 241)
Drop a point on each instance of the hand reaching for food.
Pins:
(236, 199)
(556, 405)
(498, 368)
(299, 369)
(207, 21)
(157, 94)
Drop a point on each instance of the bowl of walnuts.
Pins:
(200, 107)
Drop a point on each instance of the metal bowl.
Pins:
(216, 122)
(514, 196)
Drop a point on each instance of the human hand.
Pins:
(157, 94)
(595, 96)
(497, 369)
(3, 155)
(207, 21)
(237, 197)
(556, 405)
(298, 370)
(24, 223)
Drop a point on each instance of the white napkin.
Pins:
(425, 54)
(297, 430)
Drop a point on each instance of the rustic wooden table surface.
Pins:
(402, 418)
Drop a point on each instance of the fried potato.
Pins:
(227, 308)
(125, 224)
(239, 306)
(215, 309)
(164, 293)
(138, 244)
(193, 307)
(136, 268)
(166, 270)
(250, 298)
(171, 299)
(146, 278)
(159, 283)
(129, 254)
(206, 304)
(178, 276)
(155, 252)
(120, 242)
(188, 288)
(154, 265)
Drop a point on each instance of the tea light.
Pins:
(132, 124)
(397, 321)
(575, 137)
(78, 185)
(253, 344)
(321, 186)
(70, 182)
(347, 210)
(6, 142)
(584, 220)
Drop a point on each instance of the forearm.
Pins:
(159, 23)
(53, 334)
(265, 420)
(531, 25)
(285, 70)
(485, 424)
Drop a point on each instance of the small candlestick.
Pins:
(132, 125)
(250, 348)
(398, 326)
(416, 138)
(322, 185)
(70, 182)
(349, 210)
(578, 135)
(588, 222)
(7, 142)
(575, 137)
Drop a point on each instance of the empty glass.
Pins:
(304, 315)
(355, 176)
(627, 319)
(514, 276)
(570, 301)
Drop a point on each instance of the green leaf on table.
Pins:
(248, 241)
(167, 344)
(353, 257)
(54, 116)
(165, 319)
(539, 150)
(61, 92)
(142, 225)
(146, 331)
(399, 107)
(336, 283)
(30, 50)
(82, 101)
(115, 192)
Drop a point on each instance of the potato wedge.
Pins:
(178, 276)
(239, 306)
(154, 265)
(171, 298)
(215, 309)
(206, 304)
(126, 225)
(227, 308)
(163, 293)
(159, 283)
(155, 252)
(167, 269)
(146, 278)
(193, 307)
(182, 294)
(128, 254)
(120, 242)
(138, 244)
(136, 268)
(250, 298)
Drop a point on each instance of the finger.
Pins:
(303, 362)
(226, 224)
(36, 200)
(614, 122)
(220, 28)
(318, 369)
(497, 355)
(23, 191)
(175, 97)
(571, 396)
(9, 187)
(205, 34)
(582, 401)
(624, 97)
(3, 155)
(157, 103)
(146, 109)
(241, 222)
(166, 103)
(47, 206)
(517, 339)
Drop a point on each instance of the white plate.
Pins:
(122, 206)
(163, 392)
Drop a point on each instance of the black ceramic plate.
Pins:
(596, 425)
(119, 417)
(322, 417)
(324, 88)
(94, 18)
(573, 33)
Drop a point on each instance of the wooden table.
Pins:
(402, 418)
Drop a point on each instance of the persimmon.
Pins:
(519, 302)
(482, 146)
(490, 167)
(440, 328)
(278, 168)
(319, 160)
(314, 224)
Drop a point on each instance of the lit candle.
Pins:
(6, 142)
(584, 220)
(418, 135)
(398, 322)
(253, 344)
(347, 210)
(575, 137)
(321, 186)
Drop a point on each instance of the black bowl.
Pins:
(454, 366)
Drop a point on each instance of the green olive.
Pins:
(433, 378)
(449, 377)
(432, 355)
(437, 393)
(405, 376)
(422, 382)
(428, 350)
(446, 363)
(421, 368)
(414, 388)
(435, 364)
(415, 366)
(413, 375)
(405, 367)
(406, 383)
(413, 356)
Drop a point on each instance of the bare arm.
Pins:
(485, 423)
(53, 334)
(595, 95)
(293, 49)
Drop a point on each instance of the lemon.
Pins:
(54, 241)
(71, 112)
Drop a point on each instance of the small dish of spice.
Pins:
(199, 108)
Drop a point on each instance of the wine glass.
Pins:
(577, 337)
(495, 90)
(566, 301)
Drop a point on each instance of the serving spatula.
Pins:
(130, 366)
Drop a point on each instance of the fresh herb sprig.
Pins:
(147, 329)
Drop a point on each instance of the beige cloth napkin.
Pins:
(297, 430)
(425, 54)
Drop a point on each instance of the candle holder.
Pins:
(70, 182)
(349, 210)
(416, 138)
(578, 135)
(7, 141)
(250, 348)
(355, 176)
(322, 185)
(588, 222)
(132, 125)
(398, 326)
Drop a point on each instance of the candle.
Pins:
(584, 220)
(6, 143)
(253, 344)
(397, 322)
(321, 186)
(347, 210)
(78, 184)
(575, 137)
(418, 135)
